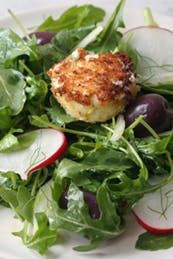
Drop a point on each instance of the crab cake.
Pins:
(93, 87)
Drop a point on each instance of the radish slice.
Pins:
(154, 48)
(48, 146)
(154, 211)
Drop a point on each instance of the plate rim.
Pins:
(55, 7)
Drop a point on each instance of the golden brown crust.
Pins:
(105, 76)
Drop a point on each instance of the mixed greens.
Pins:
(98, 181)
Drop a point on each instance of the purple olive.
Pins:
(89, 198)
(156, 111)
(43, 37)
(63, 200)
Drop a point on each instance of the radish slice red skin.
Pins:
(149, 41)
(151, 27)
(157, 231)
(54, 157)
(48, 146)
(154, 211)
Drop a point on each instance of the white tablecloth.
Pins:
(161, 6)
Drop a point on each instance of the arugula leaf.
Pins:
(12, 46)
(153, 152)
(125, 46)
(79, 150)
(7, 142)
(151, 146)
(57, 114)
(42, 238)
(50, 55)
(12, 90)
(83, 173)
(160, 88)
(74, 17)
(9, 196)
(77, 219)
(43, 198)
(17, 196)
(36, 89)
(5, 118)
(11, 143)
(109, 38)
(40, 121)
(9, 182)
(151, 242)
(20, 196)
(66, 40)
(25, 204)
(113, 159)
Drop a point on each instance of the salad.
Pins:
(110, 169)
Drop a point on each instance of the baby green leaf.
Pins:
(74, 17)
(42, 238)
(151, 242)
(109, 38)
(11, 46)
(12, 90)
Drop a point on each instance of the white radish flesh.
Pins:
(154, 211)
(48, 146)
(154, 47)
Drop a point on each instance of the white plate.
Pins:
(11, 247)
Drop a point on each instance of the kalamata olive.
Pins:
(63, 201)
(156, 111)
(89, 198)
(43, 37)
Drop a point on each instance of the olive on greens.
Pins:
(156, 112)
(89, 198)
(43, 37)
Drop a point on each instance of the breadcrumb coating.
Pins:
(88, 84)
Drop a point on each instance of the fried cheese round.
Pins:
(93, 87)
